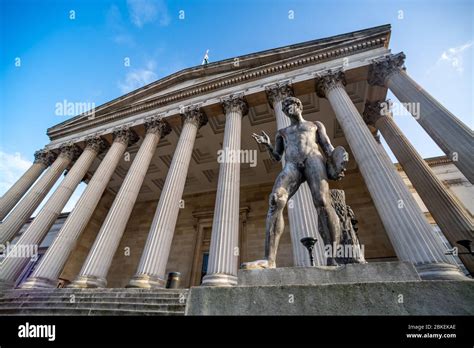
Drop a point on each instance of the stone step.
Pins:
(82, 311)
(93, 291)
(96, 305)
(96, 295)
(167, 300)
(93, 302)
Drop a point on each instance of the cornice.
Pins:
(434, 161)
(340, 50)
(431, 161)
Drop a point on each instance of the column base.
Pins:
(219, 279)
(88, 282)
(146, 281)
(440, 271)
(39, 283)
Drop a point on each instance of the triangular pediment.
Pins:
(217, 71)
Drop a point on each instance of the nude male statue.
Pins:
(303, 162)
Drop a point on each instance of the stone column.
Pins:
(23, 210)
(152, 267)
(451, 217)
(453, 136)
(12, 266)
(411, 235)
(48, 270)
(43, 159)
(94, 271)
(224, 253)
(302, 215)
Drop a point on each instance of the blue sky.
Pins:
(49, 54)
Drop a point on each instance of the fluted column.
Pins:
(47, 272)
(302, 215)
(453, 136)
(152, 267)
(410, 233)
(43, 159)
(94, 271)
(23, 210)
(453, 220)
(12, 266)
(223, 253)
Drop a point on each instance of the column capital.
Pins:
(96, 143)
(385, 66)
(45, 157)
(70, 150)
(279, 91)
(235, 102)
(329, 79)
(125, 135)
(156, 124)
(375, 110)
(194, 114)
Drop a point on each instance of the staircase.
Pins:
(108, 301)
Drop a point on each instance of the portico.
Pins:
(155, 188)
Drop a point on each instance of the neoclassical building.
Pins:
(158, 199)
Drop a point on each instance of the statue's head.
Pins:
(292, 107)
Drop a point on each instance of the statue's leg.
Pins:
(285, 187)
(315, 174)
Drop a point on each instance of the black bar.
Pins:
(243, 330)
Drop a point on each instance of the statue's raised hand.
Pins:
(262, 139)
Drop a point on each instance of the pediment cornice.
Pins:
(256, 66)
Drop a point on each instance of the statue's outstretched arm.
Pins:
(323, 139)
(277, 152)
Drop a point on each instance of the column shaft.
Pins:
(448, 132)
(451, 217)
(302, 215)
(23, 210)
(14, 194)
(224, 253)
(11, 267)
(47, 272)
(95, 269)
(152, 267)
(411, 235)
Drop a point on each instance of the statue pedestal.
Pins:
(381, 288)
(350, 273)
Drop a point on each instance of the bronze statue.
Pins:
(301, 142)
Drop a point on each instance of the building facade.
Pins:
(175, 181)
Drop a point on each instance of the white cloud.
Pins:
(118, 28)
(137, 78)
(126, 39)
(12, 167)
(147, 11)
(454, 56)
